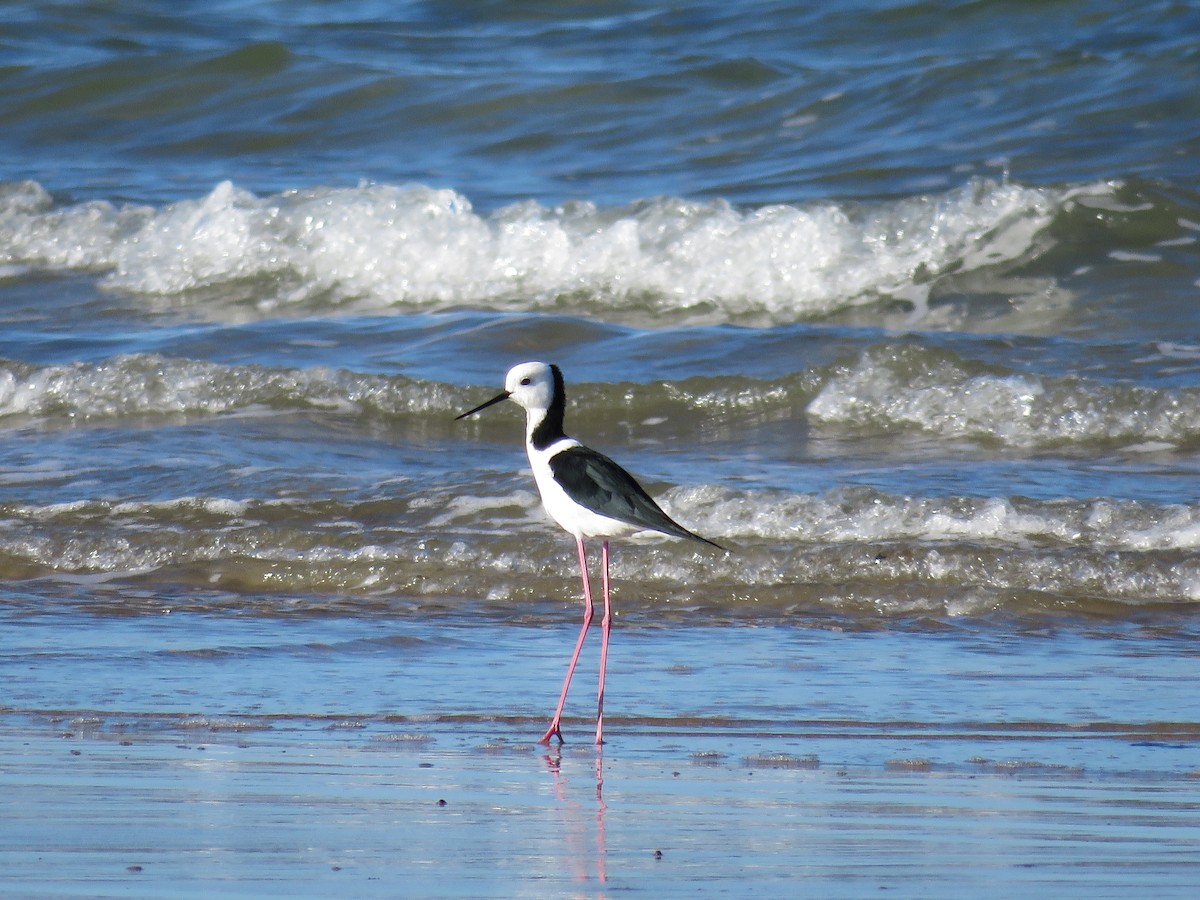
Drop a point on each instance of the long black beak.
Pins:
(503, 395)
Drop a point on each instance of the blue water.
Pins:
(896, 300)
(606, 102)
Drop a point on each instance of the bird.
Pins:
(586, 493)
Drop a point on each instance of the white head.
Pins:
(531, 385)
(537, 387)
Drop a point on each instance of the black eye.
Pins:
(526, 381)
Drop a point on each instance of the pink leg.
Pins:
(605, 627)
(554, 729)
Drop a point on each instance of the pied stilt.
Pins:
(586, 493)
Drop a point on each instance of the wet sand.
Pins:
(393, 809)
(743, 791)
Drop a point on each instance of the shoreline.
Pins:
(446, 808)
(199, 754)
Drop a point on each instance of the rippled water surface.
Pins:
(897, 301)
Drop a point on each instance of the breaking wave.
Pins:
(380, 248)
(840, 551)
(886, 389)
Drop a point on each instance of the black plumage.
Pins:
(593, 480)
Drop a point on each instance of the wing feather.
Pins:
(600, 484)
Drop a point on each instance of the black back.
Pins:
(596, 482)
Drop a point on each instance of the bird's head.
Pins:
(532, 385)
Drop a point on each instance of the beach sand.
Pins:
(462, 804)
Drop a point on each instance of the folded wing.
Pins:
(595, 481)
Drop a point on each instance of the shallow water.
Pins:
(830, 762)
(897, 303)
(521, 824)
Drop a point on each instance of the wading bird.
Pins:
(583, 491)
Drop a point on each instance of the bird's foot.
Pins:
(552, 732)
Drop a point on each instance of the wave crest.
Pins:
(382, 247)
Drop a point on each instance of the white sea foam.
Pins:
(379, 247)
(886, 389)
(148, 384)
(859, 515)
(507, 510)
(903, 386)
(215, 506)
(904, 555)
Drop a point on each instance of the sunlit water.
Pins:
(897, 303)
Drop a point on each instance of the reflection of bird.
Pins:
(585, 492)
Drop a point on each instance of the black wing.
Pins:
(595, 481)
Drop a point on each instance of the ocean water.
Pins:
(898, 301)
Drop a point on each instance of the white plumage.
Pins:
(585, 492)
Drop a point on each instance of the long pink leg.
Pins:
(554, 729)
(605, 627)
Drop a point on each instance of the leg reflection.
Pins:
(588, 853)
